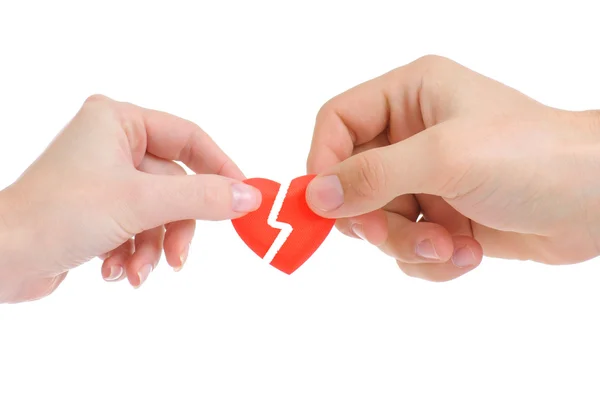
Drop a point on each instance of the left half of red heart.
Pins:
(309, 230)
(253, 228)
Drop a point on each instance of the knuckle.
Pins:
(331, 109)
(97, 103)
(135, 132)
(212, 196)
(186, 153)
(432, 60)
(368, 177)
(95, 99)
(326, 109)
(434, 77)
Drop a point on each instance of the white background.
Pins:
(348, 323)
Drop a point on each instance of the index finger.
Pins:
(174, 138)
(388, 102)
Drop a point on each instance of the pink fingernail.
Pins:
(358, 231)
(143, 274)
(463, 257)
(426, 250)
(115, 273)
(182, 258)
(325, 193)
(245, 198)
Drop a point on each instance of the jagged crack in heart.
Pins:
(285, 229)
(268, 230)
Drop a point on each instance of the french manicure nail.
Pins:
(115, 273)
(358, 231)
(326, 193)
(143, 273)
(245, 198)
(426, 250)
(463, 257)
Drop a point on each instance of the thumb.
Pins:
(369, 180)
(193, 197)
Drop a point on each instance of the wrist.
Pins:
(7, 222)
(9, 249)
(586, 126)
(26, 271)
(14, 239)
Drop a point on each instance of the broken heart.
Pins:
(284, 231)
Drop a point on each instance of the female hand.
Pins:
(108, 186)
(490, 170)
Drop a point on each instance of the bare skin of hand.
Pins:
(438, 166)
(108, 186)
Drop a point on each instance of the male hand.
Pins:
(490, 170)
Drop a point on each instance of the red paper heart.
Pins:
(309, 230)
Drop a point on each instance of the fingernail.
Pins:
(463, 257)
(358, 231)
(182, 258)
(326, 193)
(143, 273)
(245, 198)
(115, 273)
(426, 250)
